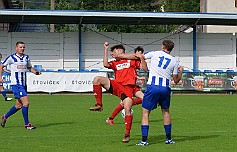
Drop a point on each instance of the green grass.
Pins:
(64, 123)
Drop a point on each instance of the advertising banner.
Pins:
(83, 82)
(59, 81)
(199, 81)
(207, 81)
(6, 81)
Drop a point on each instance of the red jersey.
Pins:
(125, 71)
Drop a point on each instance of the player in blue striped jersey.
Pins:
(19, 63)
(162, 66)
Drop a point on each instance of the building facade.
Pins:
(61, 50)
(218, 6)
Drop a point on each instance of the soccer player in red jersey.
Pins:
(122, 86)
(137, 92)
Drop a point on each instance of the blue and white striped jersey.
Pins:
(162, 66)
(19, 65)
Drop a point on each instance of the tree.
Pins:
(120, 5)
(181, 5)
(140, 5)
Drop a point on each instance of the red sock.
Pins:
(97, 89)
(128, 123)
(137, 101)
(117, 109)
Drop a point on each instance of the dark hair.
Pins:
(168, 44)
(139, 48)
(19, 42)
(118, 46)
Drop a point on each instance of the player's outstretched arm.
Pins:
(128, 56)
(105, 59)
(33, 71)
(143, 65)
(178, 77)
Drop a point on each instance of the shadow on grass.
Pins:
(55, 124)
(41, 125)
(178, 139)
(139, 122)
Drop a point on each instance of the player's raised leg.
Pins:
(98, 83)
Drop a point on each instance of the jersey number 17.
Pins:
(163, 59)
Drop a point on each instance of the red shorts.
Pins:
(119, 89)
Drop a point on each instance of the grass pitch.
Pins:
(64, 123)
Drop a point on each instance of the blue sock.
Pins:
(145, 130)
(11, 112)
(25, 114)
(168, 131)
(4, 94)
